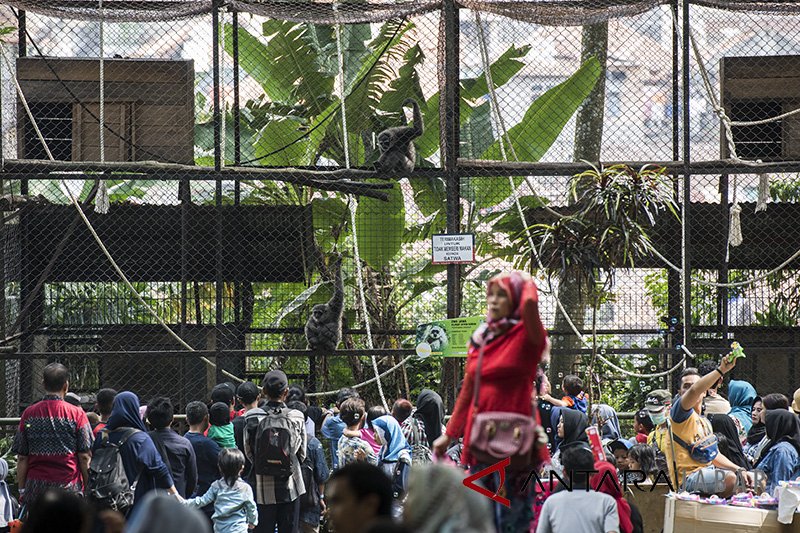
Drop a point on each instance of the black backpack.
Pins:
(272, 455)
(109, 486)
(309, 499)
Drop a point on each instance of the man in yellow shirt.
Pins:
(686, 423)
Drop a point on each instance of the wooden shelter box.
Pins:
(758, 88)
(148, 109)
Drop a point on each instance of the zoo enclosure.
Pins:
(216, 129)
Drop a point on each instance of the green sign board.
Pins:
(446, 338)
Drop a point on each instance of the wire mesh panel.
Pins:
(181, 187)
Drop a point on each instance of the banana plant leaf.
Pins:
(538, 130)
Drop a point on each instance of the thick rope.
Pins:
(362, 294)
(352, 208)
(341, 84)
(102, 203)
(367, 382)
(735, 284)
(500, 124)
(735, 209)
(735, 230)
(718, 109)
(722, 115)
(494, 106)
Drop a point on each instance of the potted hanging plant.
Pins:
(613, 213)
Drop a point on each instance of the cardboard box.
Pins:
(693, 517)
(650, 503)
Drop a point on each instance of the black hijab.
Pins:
(782, 426)
(756, 433)
(430, 409)
(724, 424)
(758, 430)
(575, 424)
(125, 413)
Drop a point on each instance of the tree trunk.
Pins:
(589, 120)
(573, 298)
(588, 139)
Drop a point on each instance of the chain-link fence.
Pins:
(221, 178)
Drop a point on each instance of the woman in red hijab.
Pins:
(512, 339)
(607, 482)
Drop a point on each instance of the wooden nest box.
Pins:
(759, 88)
(149, 109)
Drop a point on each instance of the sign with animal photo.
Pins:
(446, 338)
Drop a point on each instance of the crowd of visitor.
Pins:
(260, 457)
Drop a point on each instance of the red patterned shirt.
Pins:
(51, 434)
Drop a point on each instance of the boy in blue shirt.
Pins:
(574, 396)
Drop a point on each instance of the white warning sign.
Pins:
(453, 249)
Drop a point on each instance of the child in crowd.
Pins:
(94, 419)
(234, 505)
(642, 457)
(574, 395)
(642, 425)
(315, 473)
(367, 432)
(225, 393)
(333, 426)
(221, 430)
(619, 449)
(351, 446)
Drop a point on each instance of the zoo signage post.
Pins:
(453, 249)
(446, 338)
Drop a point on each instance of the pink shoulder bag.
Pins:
(496, 435)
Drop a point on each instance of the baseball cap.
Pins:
(275, 382)
(657, 400)
(619, 444)
(73, 398)
(222, 393)
(247, 392)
